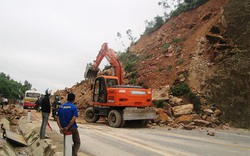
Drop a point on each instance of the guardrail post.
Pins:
(28, 116)
(67, 144)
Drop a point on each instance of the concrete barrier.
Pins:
(5, 147)
(38, 146)
(53, 146)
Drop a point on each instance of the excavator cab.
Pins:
(100, 92)
(100, 88)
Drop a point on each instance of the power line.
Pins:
(23, 74)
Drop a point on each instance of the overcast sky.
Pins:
(49, 42)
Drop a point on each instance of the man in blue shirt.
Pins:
(66, 121)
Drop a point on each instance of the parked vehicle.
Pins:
(30, 99)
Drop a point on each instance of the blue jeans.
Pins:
(45, 118)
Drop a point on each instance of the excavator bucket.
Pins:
(90, 72)
(135, 113)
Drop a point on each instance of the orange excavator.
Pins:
(114, 100)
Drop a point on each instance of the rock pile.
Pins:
(178, 114)
(11, 111)
(172, 111)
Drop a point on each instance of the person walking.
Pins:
(45, 113)
(66, 121)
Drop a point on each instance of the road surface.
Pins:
(101, 140)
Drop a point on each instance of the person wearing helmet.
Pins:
(45, 113)
(55, 106)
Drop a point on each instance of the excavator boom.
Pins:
(92, 69)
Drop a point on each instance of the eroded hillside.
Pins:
(206, 48)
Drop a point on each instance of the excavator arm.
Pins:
(92, 69)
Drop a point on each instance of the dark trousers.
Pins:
(76, 140)
(45, 118)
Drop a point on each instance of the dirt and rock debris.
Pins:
(201, 49)
(196, 48)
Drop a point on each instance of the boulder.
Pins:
(159, 111)
(175, 100)
(168, 109)
(162, 117)
(185, 119)
(196, 116)
(202, 123)
(213, 120)
(217, 113)
(208, 111)
(183, 109)
(161, 94)
(190, 126)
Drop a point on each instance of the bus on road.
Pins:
(30, 99)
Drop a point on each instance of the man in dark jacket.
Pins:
(45, 113)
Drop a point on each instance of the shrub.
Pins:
(183, 89)
(134, 74)
(169, 67)
(149, 56)
(177, 40)
(166, 46)
(194, 100)
(178, 49)
(180, 89)
(159, 104)
(132, 81)
(129, 61)
(129, 66)
(153, 25)
(180, 61)
(160, 69)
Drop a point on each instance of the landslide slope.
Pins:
(206, 48)
(210, 47)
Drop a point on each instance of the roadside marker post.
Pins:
(28, 116)
(67, 142)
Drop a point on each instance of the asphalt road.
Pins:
(101, 140)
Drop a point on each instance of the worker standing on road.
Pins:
(55, 106)
(45, 113)
(66, 121)
(38, 104)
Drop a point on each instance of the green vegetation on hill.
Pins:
(12, 89)
(181, 6)
(188, 5)
(129, 61)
